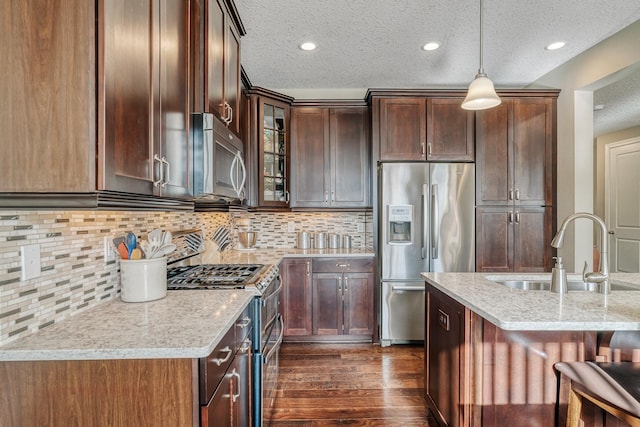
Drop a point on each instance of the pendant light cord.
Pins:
(481, 69)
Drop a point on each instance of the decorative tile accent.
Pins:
(74, 276)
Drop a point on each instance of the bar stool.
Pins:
(612, 383)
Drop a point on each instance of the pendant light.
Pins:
(481, 94)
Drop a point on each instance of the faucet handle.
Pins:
(585, 275)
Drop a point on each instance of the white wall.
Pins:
(577, 79)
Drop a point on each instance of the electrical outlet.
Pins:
(109, 252)
(30, 260)
(291, 226)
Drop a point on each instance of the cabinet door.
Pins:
(445, 357)
(48, 108)
(532, 151)
(493, 161)
(241, 390)
(215, 30)
(327, 304)
(310, 157)
(273, 153)
(358, 303)
(296, 296)
(127, 58)
(494, 239)
(403, 128)
(350, 157)
(218, 413)
(174, 115)
(450, 131)
(232, 77)
(532, 237)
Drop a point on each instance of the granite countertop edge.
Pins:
(515, 309)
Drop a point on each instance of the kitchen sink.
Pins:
(572, 285)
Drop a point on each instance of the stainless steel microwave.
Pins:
(218, 161)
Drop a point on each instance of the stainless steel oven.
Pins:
(267, 333)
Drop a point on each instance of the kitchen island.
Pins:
(490, 349)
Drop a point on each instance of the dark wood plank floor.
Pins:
(350, 384)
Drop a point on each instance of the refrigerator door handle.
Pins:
(434, 222)
(423, 220)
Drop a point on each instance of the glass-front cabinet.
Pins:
(269, 149)
(274, 155)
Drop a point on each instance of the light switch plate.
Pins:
(30, 260)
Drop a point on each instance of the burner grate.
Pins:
(212, 276)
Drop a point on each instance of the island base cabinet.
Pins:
(477, 374)
(150, 392)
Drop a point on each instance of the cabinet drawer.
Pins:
(243, 324)
(343, 265)
(213, 367)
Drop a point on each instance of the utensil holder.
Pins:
(143, 280)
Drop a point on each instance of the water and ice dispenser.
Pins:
(400, 219)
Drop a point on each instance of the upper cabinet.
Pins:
(331, 157)
(144, 103)
(222, 31)
(268, 153)
(424, 129)
(515, 159)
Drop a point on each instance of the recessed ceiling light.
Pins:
(307, 46)
(598, 107)
(431, 46)
(555, 45)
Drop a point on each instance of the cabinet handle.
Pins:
(244, 323)
(429, 148)
(166, 177)
(246, 345)
(510, 217)
(333, 196)
(157, 158)
(517, 194)
(227, 357)
(346, 283)
(308, 268)
(326, 197)
(230, 113)
(422, 148)
(511, 194)
(342, 265)
(517, 217)
(340, 285)
(286, 196)
(235, 374)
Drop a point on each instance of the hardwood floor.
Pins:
(350, 384)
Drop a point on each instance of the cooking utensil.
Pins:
(131, 242)
(123, 251)
(136, 254)
(164, 250)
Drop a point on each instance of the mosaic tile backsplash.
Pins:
(74, 275)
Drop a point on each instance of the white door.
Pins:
(622, 204)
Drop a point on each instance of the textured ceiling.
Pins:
(376, 43)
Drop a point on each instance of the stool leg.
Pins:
(574, 409)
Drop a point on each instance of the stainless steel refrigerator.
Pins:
(426, 223)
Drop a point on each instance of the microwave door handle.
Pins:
(232, 172)
(244, 174)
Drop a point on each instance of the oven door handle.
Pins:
(278, 341)
(274, 294)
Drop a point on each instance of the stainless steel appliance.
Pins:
(218, 161)
(186, 273)
(426, 223)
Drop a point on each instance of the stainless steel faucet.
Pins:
(601, 277)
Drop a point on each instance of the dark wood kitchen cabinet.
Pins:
(425, 128)
(144, 137)
(222, 32)
(330, 157)
(515, 183)
(343, 299)
(477, 374)
(115, 116)
(268, 149)
(296, 297)
(515, 153)
(514, 239)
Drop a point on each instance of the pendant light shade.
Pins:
(481, 94)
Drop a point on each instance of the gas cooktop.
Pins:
(213, 276)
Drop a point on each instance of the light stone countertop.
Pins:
(184, 324)
(516, 309)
